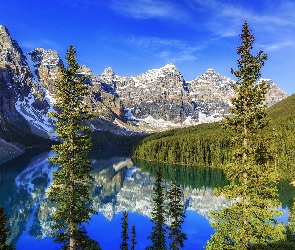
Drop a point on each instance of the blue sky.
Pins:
(133, 36)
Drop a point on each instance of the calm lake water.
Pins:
(119, 185)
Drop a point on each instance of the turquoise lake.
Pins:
(119, 185)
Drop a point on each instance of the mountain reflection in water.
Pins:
(119, 185)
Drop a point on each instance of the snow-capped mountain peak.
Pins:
(154, 100)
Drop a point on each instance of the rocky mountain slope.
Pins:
(156, 100)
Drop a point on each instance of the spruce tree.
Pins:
(250, 220)
(176, 213)
(133, 238)
(124, 233)
(4, 232)
(72, 181)
(158, 234)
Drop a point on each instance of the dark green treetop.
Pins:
(158, 234)
(133, 238)
(124, 233)
(176, 213)
(253, 178)
(72, 182)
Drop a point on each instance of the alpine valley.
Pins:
(156, 100)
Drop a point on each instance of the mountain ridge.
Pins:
(152, 101)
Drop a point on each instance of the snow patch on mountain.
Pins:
(154, 74)
(34, 116)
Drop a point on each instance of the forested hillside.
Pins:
(210, 145)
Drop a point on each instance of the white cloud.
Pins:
(145, 9)
(273, 22)
(177, 56)
(276, 46)
(169, 50)
(154, 42)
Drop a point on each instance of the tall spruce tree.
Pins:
(124, 233)
(158, 234)
(176, 213)
(72, 181)
(4, 232)
(250, 220)
(133, 238)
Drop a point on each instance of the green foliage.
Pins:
(124, 233)
(72, 182)
(282, 120)
(4, 232)
(209, 145)
(176, 213)
(291, 225)
(202, 145)
(107, 140)
(83, 242)
(158, 234)
(250, 220)
(286, 193)
(20, 133)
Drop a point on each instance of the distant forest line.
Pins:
(209, 145)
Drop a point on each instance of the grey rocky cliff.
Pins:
(15, 75)
(274, 94)
(211, 92)
(159, 93)
(16, 83)
(156, 100)
(46, 65)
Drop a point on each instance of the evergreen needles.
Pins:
(175, 213)
(72, 182)
(249, 222)
(124, 234)
(4, 232)
(158, 234)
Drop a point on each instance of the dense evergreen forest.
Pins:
(105, 140)
(21, 134)
(210, 145)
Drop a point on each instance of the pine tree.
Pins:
(158, 234)
(84, 242)
(133, 238)
(177, 216)
(71, 184)
(4, 232)
(250, 220)
(124, 233)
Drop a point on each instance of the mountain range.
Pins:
(156, 100)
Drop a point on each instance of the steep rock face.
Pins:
(17, 100)
(15, 75)
(103, 97)
(159, 93)
(274, 94)
(46, 64)
(211, 92)
(46, 67)
(156, 100)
